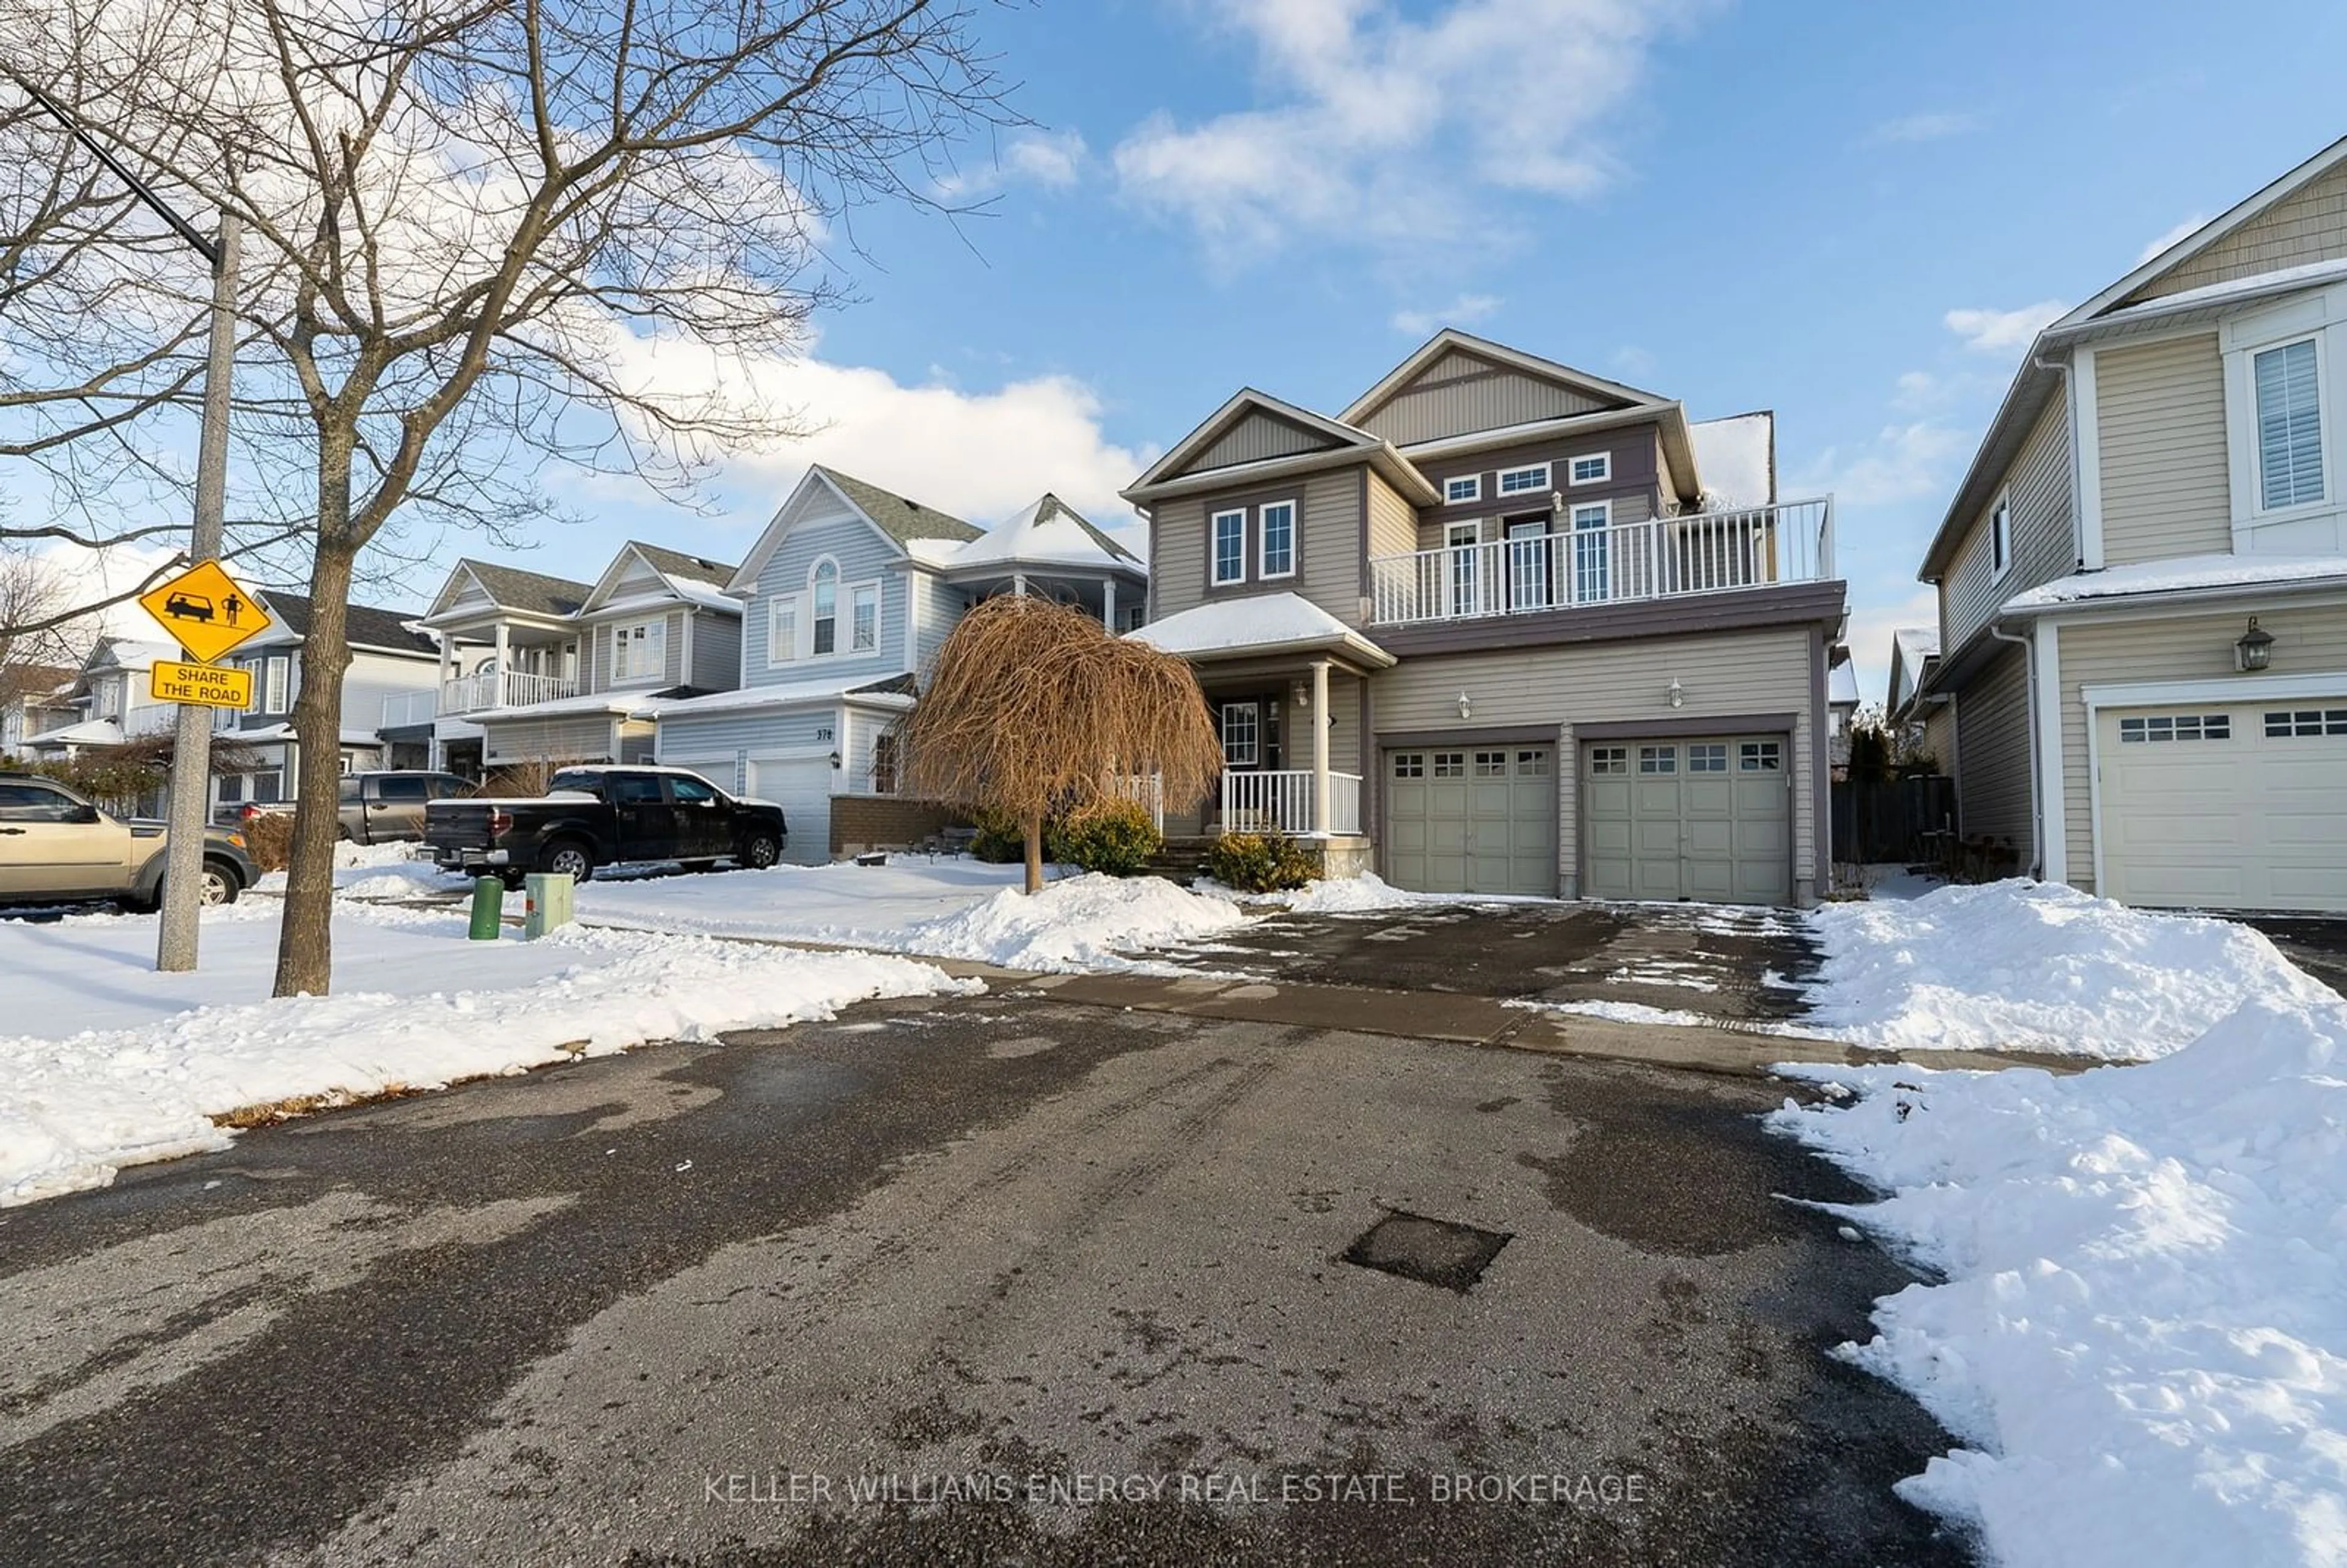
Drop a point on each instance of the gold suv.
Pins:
(56, 847)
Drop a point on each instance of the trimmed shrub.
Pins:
(268, 838)
(998, 842)
(1116, 836)
(1259, 862)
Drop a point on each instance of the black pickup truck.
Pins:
(594, 816)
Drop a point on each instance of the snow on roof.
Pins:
(2180, 574)
(1736, 458)
(2306, 276)
(775, 697)
(1046, 531)
(88, 732)
(625, 704)
(1916, 643)
(1841, 686)
(1257, 621)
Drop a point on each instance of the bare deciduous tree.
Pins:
(42, 619)
(480, 238)
(1030, 708)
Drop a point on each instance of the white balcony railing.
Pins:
(409, 708)
(1282, 802)
(1662, 558)
(503, 689)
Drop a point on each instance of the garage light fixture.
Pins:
(2255, 649)
(835, 759)
(1679, 694)
(1466, 706)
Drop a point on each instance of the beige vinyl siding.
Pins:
(1940, 737)
(1257, 436)
(1993, 746)
(1461, 393)
(1727, 674)
(558, 739)
(2045, 535)
(2311, 225)
(716, 651)
(1393, 521)
(2160, 417)
(599, 661)
(1328, 546)
(2308, 640)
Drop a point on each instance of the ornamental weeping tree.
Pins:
(480, 239)
(1032, 708)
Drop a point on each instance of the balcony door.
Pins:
(1530, 583)
(1464, 568)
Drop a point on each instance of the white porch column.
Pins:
(1019, 585)
(1318, 719)
(505, 655)
(1108, 605)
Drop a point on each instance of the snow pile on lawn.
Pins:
(2142, 1338)
(111, 1074)
(1362, 895)
(2036, 967)
(375, 871)
(1080, 923)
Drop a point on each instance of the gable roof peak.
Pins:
(1446, 339)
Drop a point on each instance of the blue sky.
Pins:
(1850, 214)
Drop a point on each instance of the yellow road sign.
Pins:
(205, 685)
(205, 610)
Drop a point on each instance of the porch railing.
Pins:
(503, 689)
(1282, 802)
(1661, 557)
(409, 708)
(1147, 790)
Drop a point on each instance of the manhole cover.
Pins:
(1432, 1252)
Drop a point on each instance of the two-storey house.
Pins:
(847, 596)
(390, 661)
(34, 699)
(536, 669)
(2143, 576)
(108, 703)
(1504, 626)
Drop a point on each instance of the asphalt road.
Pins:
(1059, 1283)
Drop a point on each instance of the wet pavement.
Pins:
(2315, 943)
(1720, 963)
(1002, 1280)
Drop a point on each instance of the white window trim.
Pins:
(1604, 511)
(1472, 528)
(2320, 316)
(1474, 483)
(2259, 511)
(1263, 540)
(1603, 476)
(619, 630)
(1500, 486)
(879, 603)
(774, 606)
(1254, 740)
(1213, 547)
(2002, 507)
(839, 592)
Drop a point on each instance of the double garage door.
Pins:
(1705, 818)
(2225, 806)
(1708, 818)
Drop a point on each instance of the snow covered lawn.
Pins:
(2035, 967)
(2141, 1341)
(104, 1062)
(947, 908)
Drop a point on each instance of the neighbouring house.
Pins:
(34, 699)
(2143, 576)
(1923, 725)
(1505, 626)
(537, 670)
(391, 662)
(1841, 708)
(845, 596)
(106, 705)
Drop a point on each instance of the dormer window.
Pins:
(1523, 481)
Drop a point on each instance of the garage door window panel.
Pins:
(1760, 756)
(1708, 758)
(2305, 722)
(1605, 759)
(1409, 765)
(1659, 759)
(2156, 729)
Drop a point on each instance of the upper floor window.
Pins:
(782, 629)
(1466, 488)
(826, 609)
(270, 677)
(1230, 546)
(1278, 526)
(2290, 425)
(640, 650)
(2000, 539)
(864, 617)
(1520, 481)
(1593, 469)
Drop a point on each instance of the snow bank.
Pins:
(77, 1102)
(2142, 1338)
(375, 871)
(2036, 967)
(1080, 923)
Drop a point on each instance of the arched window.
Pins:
(827, 607)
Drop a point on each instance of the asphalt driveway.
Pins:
(1002, 1280)
(1722, 963)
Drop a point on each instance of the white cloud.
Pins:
(1999, 332)
(1902, 462)
(1918, 389)
(2170, 237)
(1934, 127)
(1380, 123)
(979, 455)
(1054, 159)
(1464, 311)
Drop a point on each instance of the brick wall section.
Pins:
(862, 822)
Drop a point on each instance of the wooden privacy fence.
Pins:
(1908, 820)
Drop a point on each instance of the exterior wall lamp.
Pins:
(2255, 649)
(1677, 693)
(1301, 694)
(835, 759)
(1466, 706)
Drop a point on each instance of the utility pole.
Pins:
(192, 747)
